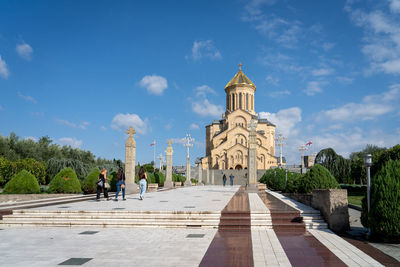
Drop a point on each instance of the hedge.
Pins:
(22, 183)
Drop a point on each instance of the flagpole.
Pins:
(154, 154)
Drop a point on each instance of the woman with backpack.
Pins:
(120, 178)
(101, 184)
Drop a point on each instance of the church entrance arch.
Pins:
(238, 167)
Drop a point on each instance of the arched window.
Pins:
(228, 101)
(233, 101)
(240, 100)
(247, 101)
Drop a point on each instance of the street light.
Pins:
(368, 164)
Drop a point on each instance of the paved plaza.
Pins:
(236, 239)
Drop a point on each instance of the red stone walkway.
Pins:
(232, 244)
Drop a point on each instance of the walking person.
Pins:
(120, 178)
(142, 182)
(231, 178)
(101, 184)
(224, 179)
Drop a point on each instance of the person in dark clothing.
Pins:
(231, 178)
(101, 184)
(120, 178)
(224, 179)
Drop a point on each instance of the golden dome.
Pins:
(240, 79)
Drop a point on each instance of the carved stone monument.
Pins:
(188, 143)
(200, 173)
(130, 154)
(252, 163)
(168, 180)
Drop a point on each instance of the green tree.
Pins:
(384, 217)
(338, 166)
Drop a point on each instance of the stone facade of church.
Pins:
(227, 138)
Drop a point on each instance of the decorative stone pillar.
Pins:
(200, 173)
(212, 177)
(130, 153)
(208, 176)
(188, 182)
(168, 180)
(252, 158)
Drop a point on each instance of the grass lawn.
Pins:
(355, 198)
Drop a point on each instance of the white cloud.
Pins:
(27, 98)
(194, 126)
(322, 72)
(355, 139)
(204, 90)
(253, 7)
(272, 80)
(24, 50)
(381, 37)
(285, 120)
(83, 125)
(343, 79)
(204, 49)
(314, 87)
(370, 108)
(31, 138)
(168, 126)
(327, 46)
(122, 122)
(205, 108)
(3, 69)
(395, 6)
(281, 62)
(70, 141)
(103, 128)
(154, 84)
(277, 94)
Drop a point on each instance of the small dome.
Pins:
(240, 79)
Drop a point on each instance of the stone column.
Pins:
(212, 177)
(188, 182)
(168, 180)
(130, 153)
(208, 176)
(200, 173)
(252, 158)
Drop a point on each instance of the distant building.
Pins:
(227, 138)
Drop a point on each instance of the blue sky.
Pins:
(81, 72)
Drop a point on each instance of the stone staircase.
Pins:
(114, 219)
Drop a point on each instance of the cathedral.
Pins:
(227, 138)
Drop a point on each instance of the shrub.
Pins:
(112, 181)
(292, 182)
(22, 183)
(160, 178)
(65, 182)
(384, 217)
(275, 179)
(318, 177)
(178, 178)
(89, 184)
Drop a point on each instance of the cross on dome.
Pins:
(240, 66)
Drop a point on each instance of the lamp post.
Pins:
(368, 164)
